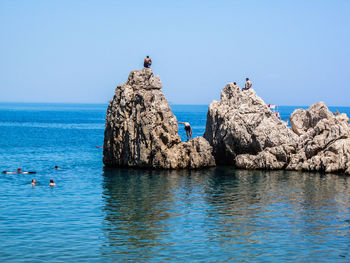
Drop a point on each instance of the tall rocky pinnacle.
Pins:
(141, 131)
(244, 132)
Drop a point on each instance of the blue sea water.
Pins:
(95, 214)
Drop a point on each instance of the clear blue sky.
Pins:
(295, 52)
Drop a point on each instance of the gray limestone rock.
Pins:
(244, 132)
(141, 131)
(323, 146)
(301, 120)
(241, 123)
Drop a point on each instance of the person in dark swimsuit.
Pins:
(147, 62)
(188, 130)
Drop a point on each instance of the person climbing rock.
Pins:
(148, 62)
(188, 130)
(248, 84)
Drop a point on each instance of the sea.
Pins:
(98, 214)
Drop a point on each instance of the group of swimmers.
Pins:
(247, 86)
(52, 183)
(19, 171)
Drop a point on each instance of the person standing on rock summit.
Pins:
(148, 62)
(248, 84)
(188, 130)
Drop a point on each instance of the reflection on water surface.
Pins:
(225, 214)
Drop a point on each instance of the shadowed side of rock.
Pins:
(141, 131)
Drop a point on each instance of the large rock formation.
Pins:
(141, 130)
(244, 132)
(241, 123)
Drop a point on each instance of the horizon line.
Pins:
(106, 103)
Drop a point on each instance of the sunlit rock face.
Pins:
(324, 141)
(241, 123)
(141, 131)
(244, 132)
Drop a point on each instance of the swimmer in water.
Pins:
(33, 182)
(52, 183)
(19, 171)
(57, 168)
(6, 172)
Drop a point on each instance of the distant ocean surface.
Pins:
(96, 214)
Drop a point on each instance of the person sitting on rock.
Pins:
(235, 85)
(248, 84)
(148, 62)
(188, 130)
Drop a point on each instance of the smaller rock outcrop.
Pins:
(141, 131)
(323, 145)
(302, 120)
